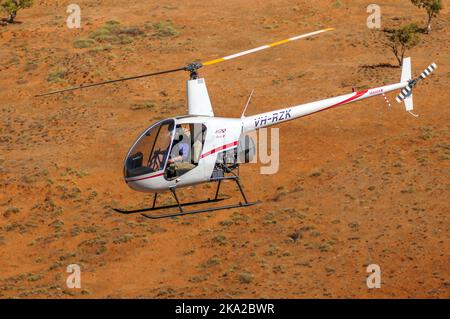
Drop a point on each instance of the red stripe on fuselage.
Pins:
(148, 177)
(354, 97)
(350, 99)
(220, 148)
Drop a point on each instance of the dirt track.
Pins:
(357, 185)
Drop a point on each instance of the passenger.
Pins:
(199, 135)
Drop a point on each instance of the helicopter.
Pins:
(199, 147)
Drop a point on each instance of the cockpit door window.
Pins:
(150, 152)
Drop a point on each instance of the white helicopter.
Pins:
(201, 148)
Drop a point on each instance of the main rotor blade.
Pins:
(271, 45)
(111, 81)
(192, 67)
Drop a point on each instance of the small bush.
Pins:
(131, 31)
(102, 48)
(165, 30)
(11, 210)
(324, 247)
(145, 105)
(315, 174)
(213, 261)
(112, 24)
(245, 278)
(102, 35)
(221, 240)
(110, 33)
(123, 239)
(83, 43)
(295, 236)
(336, 4)
(57, 76)
(34, 277)
(200, 278)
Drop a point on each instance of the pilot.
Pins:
(158, 157)
(180, 159)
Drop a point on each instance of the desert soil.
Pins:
(357, 185)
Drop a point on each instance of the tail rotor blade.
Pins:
(404, 94)
(408, 89)
(430, 69)
(263, 47)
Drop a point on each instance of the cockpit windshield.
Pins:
(150, 153)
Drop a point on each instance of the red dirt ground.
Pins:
(359, 184)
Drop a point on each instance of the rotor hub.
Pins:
(192, 69)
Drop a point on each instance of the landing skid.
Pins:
(198, 211)
(148, 209)
(180, 206)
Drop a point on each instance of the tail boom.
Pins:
(406, 86)
(255, 122)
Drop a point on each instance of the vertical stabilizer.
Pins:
(407, 91)
(406, 70)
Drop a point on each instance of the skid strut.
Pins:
(180, 205)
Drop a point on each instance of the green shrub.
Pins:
(83, 43)
(57, 76)
(11, 7)
(245, 278)
(402, 39)
(165, 30)
(433, 7)
(110, 33)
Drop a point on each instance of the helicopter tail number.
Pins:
(274, 118)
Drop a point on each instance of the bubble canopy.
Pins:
(150, 151)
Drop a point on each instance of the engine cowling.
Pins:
(243, 153)
(246, 149)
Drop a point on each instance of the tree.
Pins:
(402, 39)
(432, 6)
(12, 6)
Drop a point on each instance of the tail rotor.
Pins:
(407, 91)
